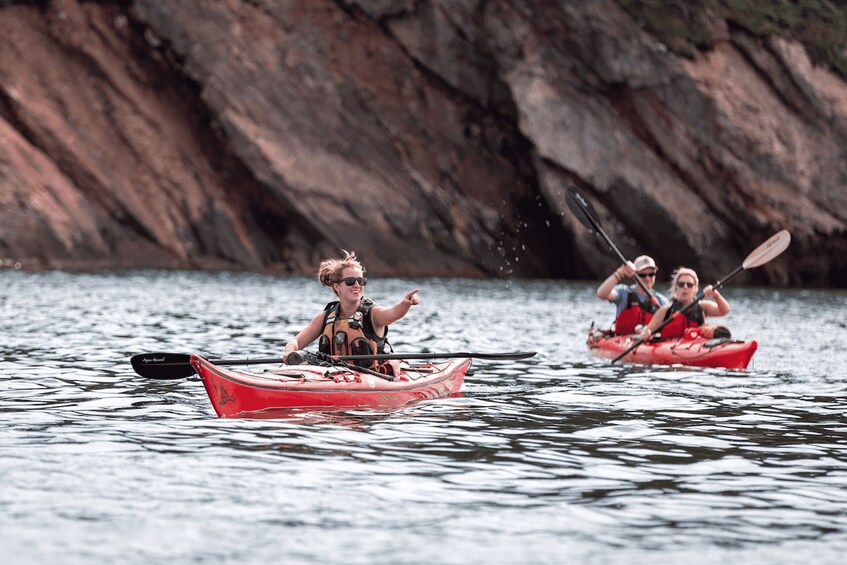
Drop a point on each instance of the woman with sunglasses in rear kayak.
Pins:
(684, 285)
(634, 308)
(353, 324)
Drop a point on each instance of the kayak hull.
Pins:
(246, 394)
(689, 350)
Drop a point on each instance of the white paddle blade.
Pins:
(768, 250)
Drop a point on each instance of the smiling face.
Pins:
(349, 293)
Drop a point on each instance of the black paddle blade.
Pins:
(581, 207)
(164, 366)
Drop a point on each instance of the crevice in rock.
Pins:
(265, 215)
(793, 98)
(620, 97)
(496, 123)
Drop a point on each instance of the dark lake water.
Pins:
(561, 458)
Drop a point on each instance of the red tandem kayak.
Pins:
(688, 350)
(240, 393)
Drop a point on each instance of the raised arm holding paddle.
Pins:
(636, 303)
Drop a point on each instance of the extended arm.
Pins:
(382, 317)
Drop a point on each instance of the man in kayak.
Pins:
(353, 324)
(634, 308)
(684, 285)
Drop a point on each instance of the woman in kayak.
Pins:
(684, 285)
(634, 308)
(353, 324)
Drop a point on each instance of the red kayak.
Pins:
(688, 350)
(239, 393)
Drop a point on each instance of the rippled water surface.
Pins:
(560, 458)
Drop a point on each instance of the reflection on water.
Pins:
(558, 458)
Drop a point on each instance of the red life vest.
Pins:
(353, 336)
(635, 313)
(682, 321)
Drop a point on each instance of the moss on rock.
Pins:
(820, 25)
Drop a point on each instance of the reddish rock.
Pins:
(431, 137)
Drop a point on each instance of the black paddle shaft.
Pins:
(584, 211)
(167, 366)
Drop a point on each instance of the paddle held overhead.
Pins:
(587, 215)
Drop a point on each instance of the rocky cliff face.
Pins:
(431, 136)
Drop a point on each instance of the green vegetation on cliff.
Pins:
(682, 25)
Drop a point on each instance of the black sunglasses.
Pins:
(645, 275)
(350, 281)
(681, 284)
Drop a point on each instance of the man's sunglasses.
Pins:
(682, 284)
(645, 275)
(350, 281)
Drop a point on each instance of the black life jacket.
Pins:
(351, 336)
